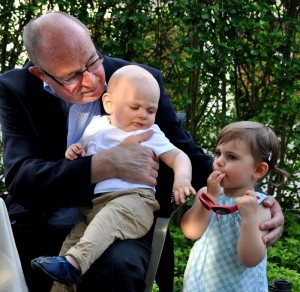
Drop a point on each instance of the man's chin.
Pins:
(88, 99)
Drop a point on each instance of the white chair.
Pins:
(11, 273)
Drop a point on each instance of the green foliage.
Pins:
(285, 252)
(182, 248)
(276, 272)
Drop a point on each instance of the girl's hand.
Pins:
(247, 204)
(213, 183)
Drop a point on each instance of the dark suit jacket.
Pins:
(34, 136)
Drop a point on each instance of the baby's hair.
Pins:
(262, 141)
(135, 75)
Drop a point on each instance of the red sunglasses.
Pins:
(210, 204)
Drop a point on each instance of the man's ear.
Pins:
(37, 72)
(261, 170)
(107, 102)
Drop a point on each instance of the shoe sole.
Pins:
(36, 267)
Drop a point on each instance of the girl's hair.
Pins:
(262, 141)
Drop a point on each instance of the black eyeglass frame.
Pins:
(100, 57)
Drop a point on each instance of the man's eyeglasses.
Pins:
(77, 78)
(210, 204)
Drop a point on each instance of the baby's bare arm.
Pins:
(182, 167)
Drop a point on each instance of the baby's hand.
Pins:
(213, 183)
(181, 191)
(74, 151)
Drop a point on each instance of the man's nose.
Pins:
(88, 78)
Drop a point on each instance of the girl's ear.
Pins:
(261, 170)
(107, 102)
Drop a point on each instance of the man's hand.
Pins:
(130, 161)
(275, 225)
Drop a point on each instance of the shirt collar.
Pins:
(48, 88)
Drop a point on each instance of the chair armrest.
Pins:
(159, 236)
(158, 240)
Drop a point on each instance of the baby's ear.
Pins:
(107, 102)
(261, 170)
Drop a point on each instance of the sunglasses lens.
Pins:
(222, 211)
